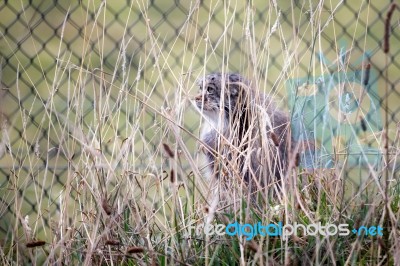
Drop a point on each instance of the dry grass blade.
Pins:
(100, 132)
(386, 39)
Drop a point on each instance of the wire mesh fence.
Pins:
(67, 65)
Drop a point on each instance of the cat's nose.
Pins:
(199, 97)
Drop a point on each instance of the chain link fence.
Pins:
(60, 60)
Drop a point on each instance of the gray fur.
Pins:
(238, 142)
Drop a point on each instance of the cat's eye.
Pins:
(210, 90)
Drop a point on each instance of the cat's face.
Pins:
(218, 92)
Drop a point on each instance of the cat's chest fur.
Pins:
(211, 128)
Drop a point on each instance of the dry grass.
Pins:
(133, 181)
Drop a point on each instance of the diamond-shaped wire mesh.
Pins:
(56, 55)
